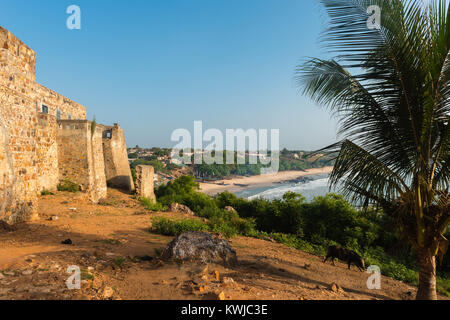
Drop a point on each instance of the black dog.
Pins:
(345, 255)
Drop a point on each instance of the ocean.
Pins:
(316, 185)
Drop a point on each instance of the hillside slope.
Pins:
(109, 241)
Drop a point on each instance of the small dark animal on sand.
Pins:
(345, 255)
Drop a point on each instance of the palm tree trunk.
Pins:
(427, 276)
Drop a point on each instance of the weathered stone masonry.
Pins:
(45, 138)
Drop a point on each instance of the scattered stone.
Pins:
(307, 266)
(9, 273)
(27, 272)
(221, 296)
(2, 276)
(6, 227)
(53, 218)
(230, 209)
(145, 258)
(107, 293)
(67, 242)
(180, 208)
(228, 282)
(336, 288)
(73, 209)
(217, 275)
(206, 270)
(200, 246)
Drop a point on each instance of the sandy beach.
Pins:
(246, 183)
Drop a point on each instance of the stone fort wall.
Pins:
(117, 168)
(44, 138)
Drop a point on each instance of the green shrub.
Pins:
(152, 206)
(308, 226)
(169, 227)
(68, 186)
(46, 193)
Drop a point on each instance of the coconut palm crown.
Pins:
(389, 86)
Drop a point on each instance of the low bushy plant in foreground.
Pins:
(149, 204)
(68, 186)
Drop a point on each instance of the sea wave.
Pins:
(308, 189)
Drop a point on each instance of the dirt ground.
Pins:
(117, 256)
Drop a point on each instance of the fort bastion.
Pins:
(45, 138)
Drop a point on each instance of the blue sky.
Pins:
(157, 65)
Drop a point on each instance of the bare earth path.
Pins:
(108, 240)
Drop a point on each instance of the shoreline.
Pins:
(248, 183)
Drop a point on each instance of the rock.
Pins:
(228, 282)
(221, 296)
(27, 272)
(2, 276)
(217, 275)
(67, 241)
(107, 293)
(230, 209)
(6, 227)
(200, 246)
(53, 218)
(336, 288)
(180, 208)
(307, 266)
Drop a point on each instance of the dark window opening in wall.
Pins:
(44, 109)
(107, 134)
(69, 116)
(58, 114)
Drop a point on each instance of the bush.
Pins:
(152, 206)
(68, 186)
(46, 193)
(169, 227)
(311, 227)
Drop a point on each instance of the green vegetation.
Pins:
(152, 206)
(113, 242)
(68, 186)
(93, 126)
(86, 275)
(308, 226)
(289, 160)
(388, 87)
(157, 165)
(46, 193)
(119, 261)
(169, 227)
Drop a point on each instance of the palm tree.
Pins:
(389, 86)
